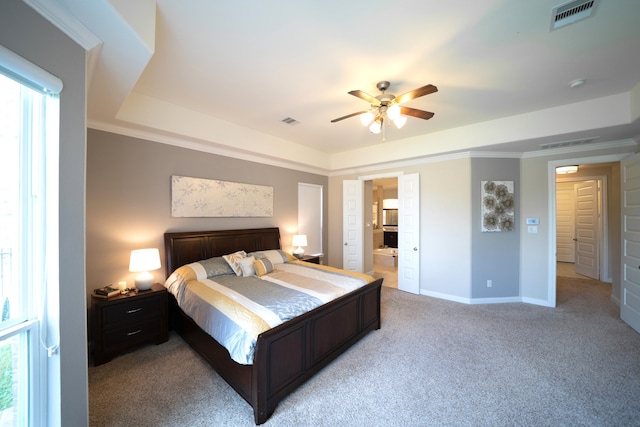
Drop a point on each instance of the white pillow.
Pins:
(246, 265)
(232, 260)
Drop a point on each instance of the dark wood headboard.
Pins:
(190, 246)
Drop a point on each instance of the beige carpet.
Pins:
(433, 363)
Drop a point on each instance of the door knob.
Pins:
(415, 249)
(345, 243)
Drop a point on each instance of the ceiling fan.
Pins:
(388, 106)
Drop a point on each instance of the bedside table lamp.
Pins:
(299, 240)
(142, 261)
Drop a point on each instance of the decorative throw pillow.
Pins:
(232, 260)
(276, 256)
(246, 265)
(216, 266)
(262, 266)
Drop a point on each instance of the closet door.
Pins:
(630, 298)
(565, 222)
(352, 225)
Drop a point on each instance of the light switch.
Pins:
(533, 229)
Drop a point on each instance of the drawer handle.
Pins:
(133, 311)
(134, 333)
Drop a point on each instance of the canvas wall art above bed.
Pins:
(264, 320)
(201, 197)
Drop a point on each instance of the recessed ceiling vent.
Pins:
(573, 11)
(290, 121)
(570, 143)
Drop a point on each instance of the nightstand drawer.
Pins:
(133, 310)
(133, 335)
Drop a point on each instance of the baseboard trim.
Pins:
(472, 301)
(495, 300)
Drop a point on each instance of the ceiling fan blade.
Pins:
(347, 116)
(421, 114)
(416, 93)
(363, 95)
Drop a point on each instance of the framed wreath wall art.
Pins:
(498, 206)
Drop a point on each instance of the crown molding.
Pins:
(371, 168)
(190, 144)
(59, 16)
(582, 148)
(62, 19)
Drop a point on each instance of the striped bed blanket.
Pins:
(235, 309)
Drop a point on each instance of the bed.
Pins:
(286, 355)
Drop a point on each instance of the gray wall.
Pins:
(26, 33)
(456, 259)
(129, 199)
(494, 256)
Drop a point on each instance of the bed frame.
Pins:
(287, 355)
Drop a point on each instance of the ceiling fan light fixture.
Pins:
(388, 106)
(376, 126)
(366, 118)
(393, 111)
(400, 121)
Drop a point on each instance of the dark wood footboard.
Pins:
(290, 354)
(287, 355)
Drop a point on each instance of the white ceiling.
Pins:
(221, 75)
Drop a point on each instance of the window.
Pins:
(28, 231)
(310, 216)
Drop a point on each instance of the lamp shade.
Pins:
(366, 118)
(142, 261)
(299, 240)
(376, 126)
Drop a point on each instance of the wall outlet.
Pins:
(489, 283)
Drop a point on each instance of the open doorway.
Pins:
(611, 164)
(385, 230)
(581, 226)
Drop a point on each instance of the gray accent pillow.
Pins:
(216, 266)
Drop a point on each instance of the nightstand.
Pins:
(311, 258)
(125, 322)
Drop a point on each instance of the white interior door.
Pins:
(587, 229)
(630, 298)
(409, 233)
(352, 225)
(565, 222)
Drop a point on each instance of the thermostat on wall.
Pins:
(533, 221)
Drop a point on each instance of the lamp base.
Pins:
(298, 253)
(144, 281)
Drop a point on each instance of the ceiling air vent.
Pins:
(570, 143)
(573, 11)
(290, 121)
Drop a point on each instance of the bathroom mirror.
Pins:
(390, 217)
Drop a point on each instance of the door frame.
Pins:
(551, 214)
(368, 252)
(603, 234)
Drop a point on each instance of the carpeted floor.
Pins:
(433, 363)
